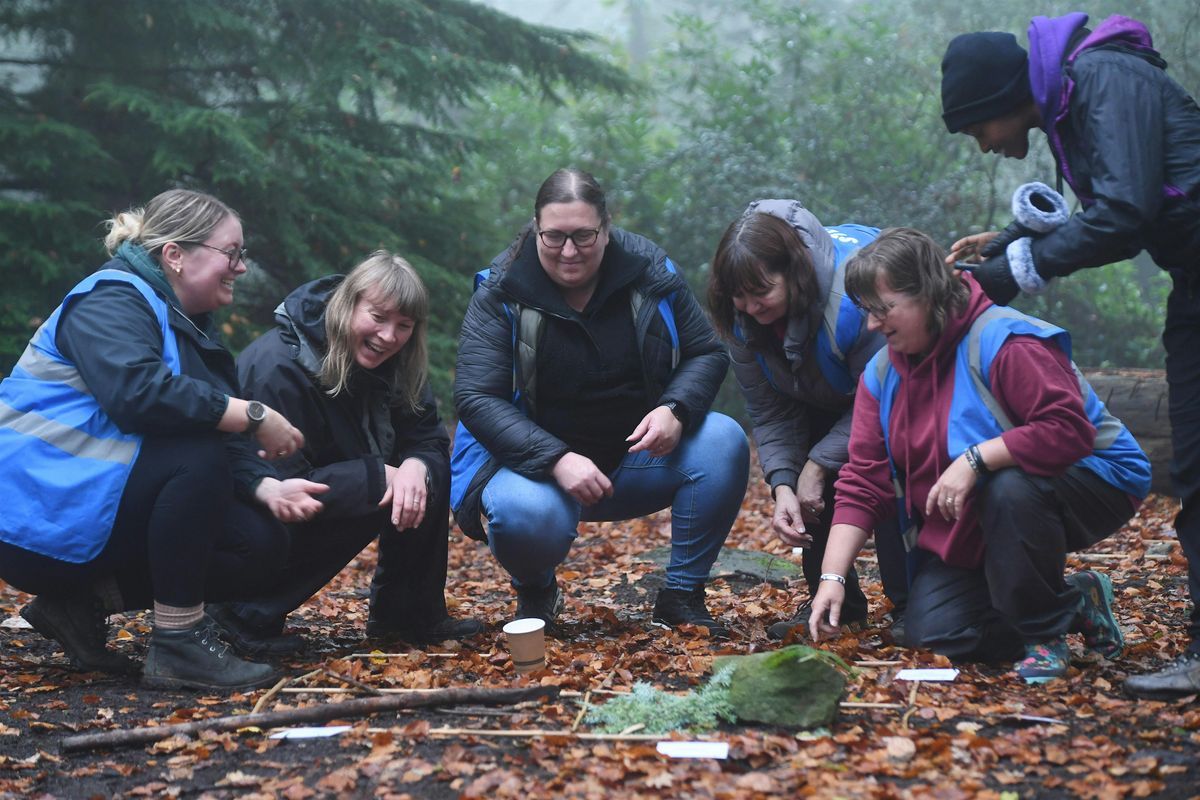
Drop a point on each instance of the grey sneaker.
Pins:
(80, 626)
(1180, 678)
(197, 658)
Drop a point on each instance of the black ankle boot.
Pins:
(80, 626)
(197, 658)
(675, 607)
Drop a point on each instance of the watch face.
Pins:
(256, 411)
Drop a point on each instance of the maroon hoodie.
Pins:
(1033, 381)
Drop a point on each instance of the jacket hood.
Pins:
(1054, 41)
(301, 316)
(802, 323)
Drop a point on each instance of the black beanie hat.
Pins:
(984, 76)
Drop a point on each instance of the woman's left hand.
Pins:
(406, 493)
(292, 500)
(951, 490)
(658, 432)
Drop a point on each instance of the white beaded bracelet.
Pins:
(829, 576)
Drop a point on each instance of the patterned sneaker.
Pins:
(1100, 629)
(1044, 661)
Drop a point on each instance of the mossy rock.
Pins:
(733, 562)
(796, 686)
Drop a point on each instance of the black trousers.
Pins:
(1181, 338)
(181, 535)
(1018, 596)
(889, 548)
(408, 588)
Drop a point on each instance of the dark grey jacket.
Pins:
(785, 388)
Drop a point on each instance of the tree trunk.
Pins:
(1138, 397)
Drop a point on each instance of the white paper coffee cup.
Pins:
(526, 644)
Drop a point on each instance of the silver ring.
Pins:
(281, 452)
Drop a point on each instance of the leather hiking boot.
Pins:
(80, 626)
(675, 607)
(249, 643)
(544, 603)
(1101, 632)
(1180, 678)
(440, 631)
(799, 624)
(197, 658)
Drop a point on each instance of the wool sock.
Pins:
(177, 618)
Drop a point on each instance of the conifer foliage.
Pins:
(331, 125)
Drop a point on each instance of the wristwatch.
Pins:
(256, 412)
(679, 411)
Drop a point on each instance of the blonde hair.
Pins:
(387, 278)
(176, 215)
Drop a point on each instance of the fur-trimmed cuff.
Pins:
(1038, 207)
(1020, 263)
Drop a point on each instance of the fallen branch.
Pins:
(322, 713)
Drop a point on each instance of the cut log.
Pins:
(1138, 397)
(319, 713)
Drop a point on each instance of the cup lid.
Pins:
(526, 625)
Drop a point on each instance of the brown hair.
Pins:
(755, 248)
(570, 185)
(912, 264)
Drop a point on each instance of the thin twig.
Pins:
(266, 698)
(357, 684)
(401, 655)
(877, 663)
(583, 710)
(532, 734)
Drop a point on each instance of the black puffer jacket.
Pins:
(349, 438)
(483, 384)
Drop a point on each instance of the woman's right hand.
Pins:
(277, 437)
(969, 248)
(291, 500)
(582, 479)
(826, 610)
(788, 520)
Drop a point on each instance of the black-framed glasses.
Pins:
(583, 237)
(235, 255)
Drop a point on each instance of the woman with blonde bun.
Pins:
(137, 475)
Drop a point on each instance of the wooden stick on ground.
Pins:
(323, 713)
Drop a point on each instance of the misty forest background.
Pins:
(337, 127)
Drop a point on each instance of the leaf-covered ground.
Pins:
(975, 737)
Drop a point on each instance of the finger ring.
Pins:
(281, 453)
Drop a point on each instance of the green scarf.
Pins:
(145, 267)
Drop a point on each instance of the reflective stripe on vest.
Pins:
(64, 461)
(976, 415)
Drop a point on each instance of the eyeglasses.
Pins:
(584, 237)
(235, 255)
(878, 312)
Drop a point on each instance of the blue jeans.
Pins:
(532, 524)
